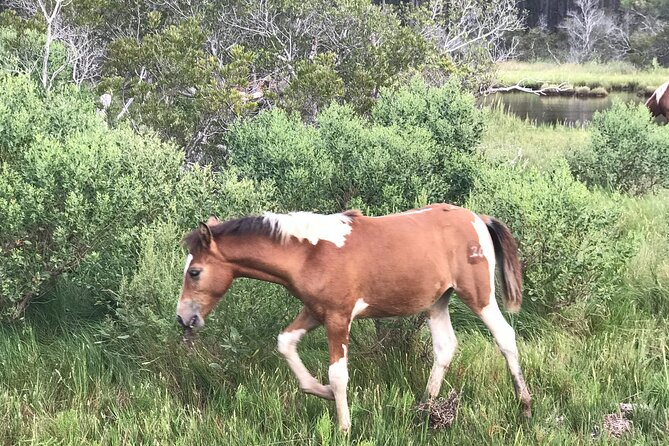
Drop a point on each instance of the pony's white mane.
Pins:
(661, 91)
(312, 227)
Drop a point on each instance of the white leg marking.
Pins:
(503, 333)
(287, 346)
(444, 344)
(338, 374)
(506, 340)
(188, 260)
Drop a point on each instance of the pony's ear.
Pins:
(205, 234)
(213, 220)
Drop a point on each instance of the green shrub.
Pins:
(72, 205)
(148, 293)
(447, 112)
(280, 148)
(628, 153)
(74, 194)
(22, 48)
(405, 156)
(381, 169)
(571, 245)
(315, 85)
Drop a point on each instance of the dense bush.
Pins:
(572, 248)
(450, 115)
(629, 152)
(411, 152)
(75, 195)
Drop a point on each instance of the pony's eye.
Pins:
(194, 273)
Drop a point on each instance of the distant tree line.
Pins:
(596, 30)
(189, 70)
(553, 12)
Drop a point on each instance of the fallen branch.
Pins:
(518, 87)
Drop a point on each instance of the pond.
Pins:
(569, 110)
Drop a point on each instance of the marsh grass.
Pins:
(510, 138)
(611, 76)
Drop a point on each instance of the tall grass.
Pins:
(83, 383)
(509, 138)
(611, 76)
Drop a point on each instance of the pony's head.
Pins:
(207, 276)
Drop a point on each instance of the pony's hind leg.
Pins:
(287, 346)
(443, 342)
(505, 338)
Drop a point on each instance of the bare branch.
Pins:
(518, 87)
(458, 26)
(588, 28)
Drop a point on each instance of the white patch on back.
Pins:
(661, 91)
(188, 260)
(487, 248)
(417, 211)
(401, 214)
(312, 227)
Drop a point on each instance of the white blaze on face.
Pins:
(312, 227)
(188, 260)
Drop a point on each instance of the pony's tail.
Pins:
(506, 252)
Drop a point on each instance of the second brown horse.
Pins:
(658, 102)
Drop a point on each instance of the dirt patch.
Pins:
(441, 411)
(616, 425)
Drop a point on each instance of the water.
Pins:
(570, 110)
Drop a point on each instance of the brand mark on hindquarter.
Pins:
(474, 252)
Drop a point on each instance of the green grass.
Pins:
(509, 138)
(611, 76)
(82, 384)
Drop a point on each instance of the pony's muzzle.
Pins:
(190, 322)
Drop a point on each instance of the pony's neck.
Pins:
(259, 257)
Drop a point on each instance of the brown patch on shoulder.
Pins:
(353, 213)
(474, 252)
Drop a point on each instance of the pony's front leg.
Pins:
(337, 331)
(287, 346)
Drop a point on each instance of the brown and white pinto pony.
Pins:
(347, 266)
(658, 102)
